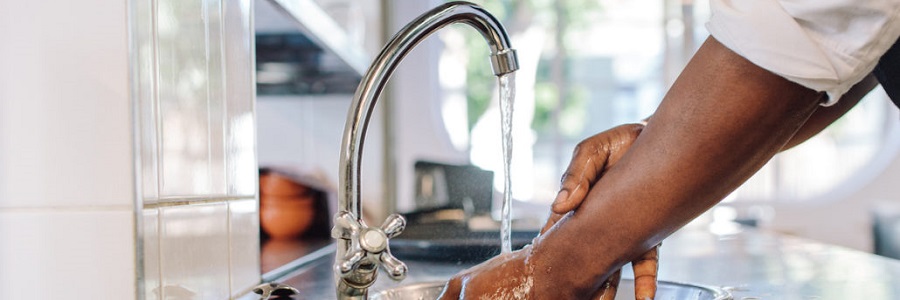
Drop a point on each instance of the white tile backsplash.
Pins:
(215, 66)
(68, 254)
(242, 173)
(67, 132)
(193, 254)
(240, 128)
(184, 102)
(65, 105)
(199, 153)
(151, 275)
(144, 80)
(205, 96)
(244, 243)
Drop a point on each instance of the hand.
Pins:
(506, 276)
(509, 276)
(591, 159)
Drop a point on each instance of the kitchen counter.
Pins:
(751, 264)
(767, 265)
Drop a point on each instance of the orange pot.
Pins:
(274, 184)
(286, 217)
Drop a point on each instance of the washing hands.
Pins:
(512, 276)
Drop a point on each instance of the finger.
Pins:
(590, 159)
(587, 162)
(645, 270)
(610, 286)
(452, 289)
(554, 217)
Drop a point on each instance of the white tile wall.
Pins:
(240, 128)
(143, 86)
(64, 104)
(215, 66)
(205, 98)
(199, 145)
(67, 172)
(151, 254)
(67, 161)
(199, 156)
(67, 254)
(184, 103)
(244, 243)
(206, 251)
(194, 251)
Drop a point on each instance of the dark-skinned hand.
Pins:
(509, 275)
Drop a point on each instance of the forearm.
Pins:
(719, 123)
(824, 116)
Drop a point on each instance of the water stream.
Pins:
(507, 98)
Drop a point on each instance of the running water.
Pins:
(507, 97)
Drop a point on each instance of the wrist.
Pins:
(569, 266)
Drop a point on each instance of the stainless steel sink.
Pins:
(666, 291)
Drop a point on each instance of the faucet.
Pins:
(360, 248)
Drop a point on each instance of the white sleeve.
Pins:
(824, 45)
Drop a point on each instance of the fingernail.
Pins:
(563, 195)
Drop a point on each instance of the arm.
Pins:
(824, 116)
(594, 155)
(719, 123)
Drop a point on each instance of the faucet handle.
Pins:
(393, 225)
(393, 266)
(368, 245)
(345, 226)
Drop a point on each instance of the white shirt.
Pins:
(824, 45)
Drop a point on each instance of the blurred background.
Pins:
(586, 66)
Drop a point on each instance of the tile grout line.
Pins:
(156, 155)
(179, 201)
(134, 56)
(223, 56)
(68, 209)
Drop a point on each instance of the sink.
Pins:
(667, 291)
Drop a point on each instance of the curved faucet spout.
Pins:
(503, 61)
(357, 260)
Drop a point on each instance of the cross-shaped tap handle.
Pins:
(368, 245)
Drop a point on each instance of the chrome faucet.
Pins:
(360, 248)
